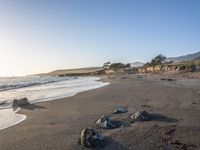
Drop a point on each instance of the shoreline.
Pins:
(15, 117)
(13, 114)
(57, 124)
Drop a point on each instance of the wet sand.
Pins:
(56, 125)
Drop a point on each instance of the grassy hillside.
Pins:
(73, 72)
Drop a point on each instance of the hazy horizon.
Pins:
(45, 35)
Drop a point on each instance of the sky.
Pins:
(43, 35)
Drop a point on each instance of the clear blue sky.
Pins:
(43, 35)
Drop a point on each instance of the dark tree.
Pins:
(106, 65)
(158, 60)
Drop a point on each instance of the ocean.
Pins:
(38, 89)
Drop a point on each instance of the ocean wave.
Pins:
(11, 83)
(60, 88)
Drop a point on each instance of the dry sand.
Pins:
(56, 125)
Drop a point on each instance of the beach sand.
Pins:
(56, 125)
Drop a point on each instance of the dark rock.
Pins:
(106, 122)
(139, 77)
(155, 125)
(145, 106)
(20, 102)
(5, 103)
(90, 138)
(167, 79)
(124, 78)
(140, 116)
(111, 77)
(120, 109)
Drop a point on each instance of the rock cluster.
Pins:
(91, 138)
(106, 122)
(20, 102)
(140, 116)
(5, 102)
(120, 109)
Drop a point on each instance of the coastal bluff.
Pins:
(180, 67)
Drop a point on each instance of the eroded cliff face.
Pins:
(171, 68)
(150, 69)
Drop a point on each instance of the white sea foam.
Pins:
(43, 92)
(9, 118)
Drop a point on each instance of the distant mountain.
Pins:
(188, 57)
(72, 72)
(197, 58)
(136, 64)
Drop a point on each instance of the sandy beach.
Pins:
(99, 75)
(56, 125)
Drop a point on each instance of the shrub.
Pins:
(158, 60)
